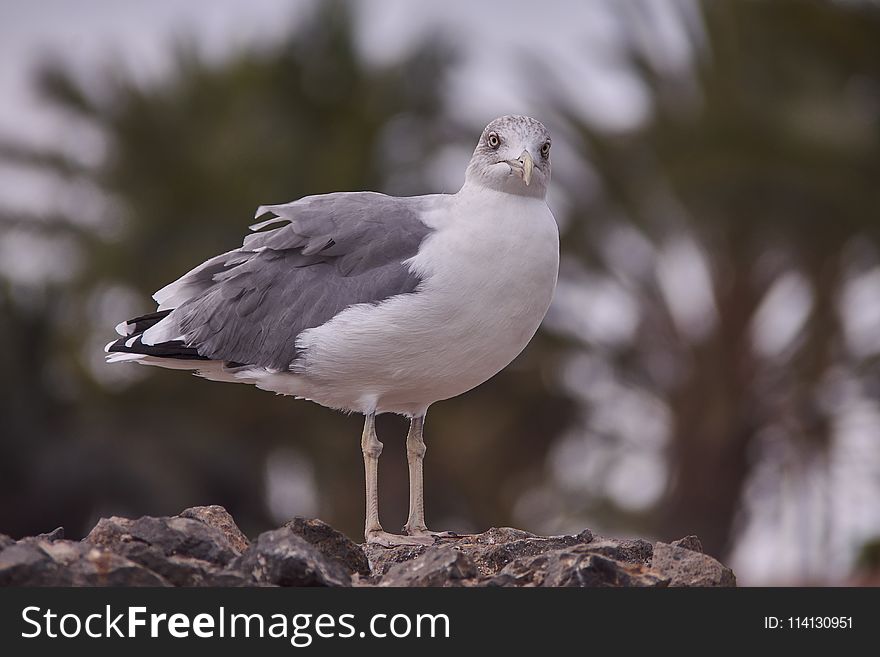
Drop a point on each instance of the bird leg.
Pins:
(415, 456)
(372, 449)
(373, 532)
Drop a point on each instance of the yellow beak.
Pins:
(527, 166)
(523, 165)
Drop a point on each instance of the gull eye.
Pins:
(493, 140)
(545, 149)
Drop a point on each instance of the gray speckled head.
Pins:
(513, 156)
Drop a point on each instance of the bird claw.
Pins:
(428, 533)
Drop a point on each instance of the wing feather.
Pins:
(248, 306)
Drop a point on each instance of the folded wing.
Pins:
(247, 306)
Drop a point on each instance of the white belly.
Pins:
(486, 287)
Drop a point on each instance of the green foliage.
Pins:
(766, 153)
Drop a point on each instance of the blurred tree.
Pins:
(185, 161)
(732, 219)
(712, 320)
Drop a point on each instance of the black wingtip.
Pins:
(142, 323)
(133, 344)
(171, 349)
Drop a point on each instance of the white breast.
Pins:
(489, 271)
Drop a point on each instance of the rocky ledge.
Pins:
(203, 547)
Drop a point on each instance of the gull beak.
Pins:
(523, 165)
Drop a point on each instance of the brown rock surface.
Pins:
(203, 547)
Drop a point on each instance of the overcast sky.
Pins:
(578, 39)
(491, 36)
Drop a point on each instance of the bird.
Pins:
(368, 303)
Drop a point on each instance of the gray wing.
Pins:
(247, 306)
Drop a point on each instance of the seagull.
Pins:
(371, 304)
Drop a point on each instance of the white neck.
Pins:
(512, 186)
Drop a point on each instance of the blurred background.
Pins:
(711, 361)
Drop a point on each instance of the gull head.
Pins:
(513, 156)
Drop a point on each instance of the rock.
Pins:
(24, 564)
(184, 551)
(494, 549)
(38, 562)
(55, 535)
(503, 556)
(689, 543)
(217, 517)
(381, 559)
(441, 566)
(627, 550)
(685, 567)
(489, 551)
(282, 558)
(511, 557)
(333, 544)
(203, 547)
(580, 566)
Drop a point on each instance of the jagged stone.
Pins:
(217, 517)
(441, 566)
(282, 558)
(332, 544)
(56, 534)
(489, 551)
(579, 566)
(689, 542)
(628, 550)
(686, 567)
(381, 559)
(38, 562)
(184, 551)
(204, 547)
(492, 550)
